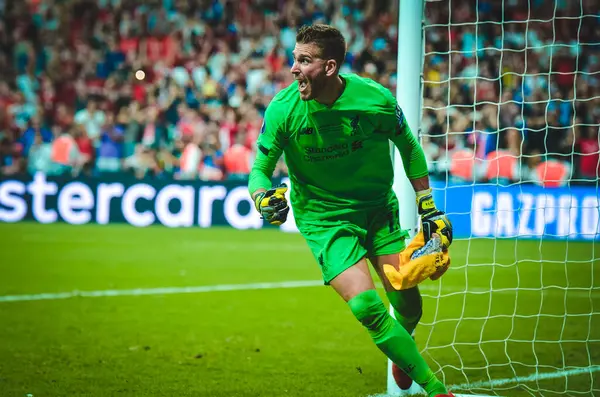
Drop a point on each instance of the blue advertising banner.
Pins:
(524, 211)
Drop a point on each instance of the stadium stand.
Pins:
(176, 88)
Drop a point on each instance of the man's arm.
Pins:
(427, 255)
(413, 157)
(269, 202)
(415, 166)
(420, 184)
(269, 145)
(260, 175)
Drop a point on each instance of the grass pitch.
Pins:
(477, 328)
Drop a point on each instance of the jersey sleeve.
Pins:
(269, 147)
(395, 124)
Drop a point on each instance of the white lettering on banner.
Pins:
(75, 201)
(545, 213)
(481, 222)
(206, 197)
(106, 192)
(130, 197)
(502, 212)
(16, 207)
(590, 217)
(39, 189)
(573, 214)
(505, 215)
(525, 213)
(234, 218)
(567, 216)
(185, 215)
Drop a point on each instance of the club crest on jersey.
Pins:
(354, 124)
(307, 131)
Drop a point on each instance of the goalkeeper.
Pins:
(334, 130)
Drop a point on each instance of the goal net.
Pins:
(509, 122)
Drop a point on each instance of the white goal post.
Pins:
(408, 94)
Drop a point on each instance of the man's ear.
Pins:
(330, 67)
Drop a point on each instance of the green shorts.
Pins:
(341, 242)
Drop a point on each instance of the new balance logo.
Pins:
(307, 131)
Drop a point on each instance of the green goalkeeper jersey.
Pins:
(338, 156)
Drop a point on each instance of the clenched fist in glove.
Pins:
(272, 205)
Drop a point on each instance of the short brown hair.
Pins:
(329, 39)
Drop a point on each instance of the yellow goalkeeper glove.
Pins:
(432, 219)
(272, 205)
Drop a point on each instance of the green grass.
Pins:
(276, 342)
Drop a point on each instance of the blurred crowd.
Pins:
(512, 91)
(178, 88)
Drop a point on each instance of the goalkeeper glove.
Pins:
(272, 205)
(432, 219)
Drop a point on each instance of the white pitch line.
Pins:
(529, 378)
(160, 291)
(245, 287)
(456, 395)
(180, 244)
(517, 380)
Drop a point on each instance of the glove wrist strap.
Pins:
(257, 199)
(425, 204)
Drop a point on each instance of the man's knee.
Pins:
(370, 310)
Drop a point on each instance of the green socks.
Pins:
(408, 307)
(393, 340)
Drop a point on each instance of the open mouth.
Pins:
(302, 85)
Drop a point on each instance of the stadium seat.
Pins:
(463, 164)
(552, 173)
(502, 165)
